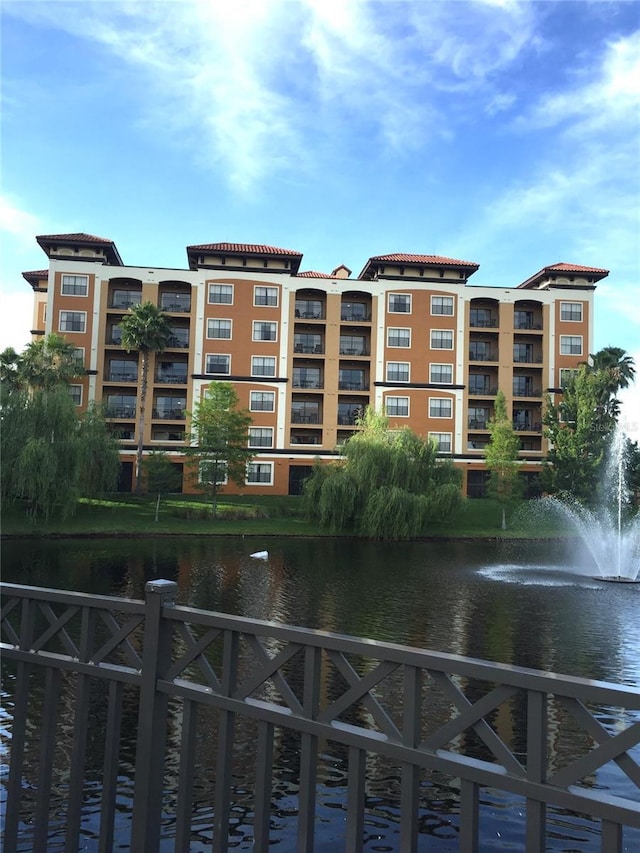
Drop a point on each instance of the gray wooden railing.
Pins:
(426, 712)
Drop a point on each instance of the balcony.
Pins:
(121, 376)
(309, 309)
(178, 341)
(175, 303)
(305, 417)
(527, 426)
(125, 412)
(483, 390)
(307, 383)
(166, 414)
(527, 392)
(309, 349)
(482, 355)
(527, 358)
(357, 351)
(483, 322)
(123, 303)
(478, 423)
(171, 377)
(353, 386)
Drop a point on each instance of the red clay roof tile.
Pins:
(313, 274)
(423, 259)
(244, 248)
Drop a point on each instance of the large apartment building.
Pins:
(306, 351)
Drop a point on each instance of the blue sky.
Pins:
(501, 132)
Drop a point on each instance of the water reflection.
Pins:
(513, 603)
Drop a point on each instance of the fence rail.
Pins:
(423, 711)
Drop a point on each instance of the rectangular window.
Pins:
(220, 294)
(566, 375)
(442, 440)
(263, 365)
(398, 337)
(260, 436)
(73, 321)
(75, 285)
(442, 305)
(208, 470)
(478, 417)
(265, 295)
(76, 394)
(440, 407)
(571, 344)
(260, 473)
(397, 371)
(307, 377)
(78, 357)
(264, 331)
(217, 363)
(481, 318)
(122, 370)
(571, 311)
(397, 407)
(120, 406)
(441, 374)
(262, 401)
(441, 339)
(399, 303)
(219, 329)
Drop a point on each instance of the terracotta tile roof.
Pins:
(244, 249)
(399, 257)
(313, 274)
(562, 267)
(74, 238)
(594, 272)
(39, 274)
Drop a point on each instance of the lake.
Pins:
(522, 603)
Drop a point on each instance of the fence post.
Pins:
(152, 719)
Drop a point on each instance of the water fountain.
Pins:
(612, 542)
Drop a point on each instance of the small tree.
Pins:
(161, 475)
(219, 437)
(145, 328)
(501, 456)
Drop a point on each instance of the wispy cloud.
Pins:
(257, 85)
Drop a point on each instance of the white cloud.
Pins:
(19, 224)
(256, 85)
(16, 319)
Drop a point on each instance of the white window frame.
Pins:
(436, 402)
(263, 431)
(570, 306)
(571, 371)
(398, 364)
(271, 394)
(444, 333)
(258, 324)
(568, 339)
(393, 296)
(271, 293)
(433, 381)
(252, 465)
(396, 414)
(216, 355)
(73, 331)
(445, 299)
(436, 437)
(74, 386)
(263, 358)
(212, 337)
(215, 284)
(396, 329)
(77, 280)
(221, 482)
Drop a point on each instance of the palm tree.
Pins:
(617, 364)
(48, 362)
(144, 328)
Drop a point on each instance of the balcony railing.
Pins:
(527, 392)
(305, 418)
(314, 349)
(307, 383)
(353, 386)
(347, 420)
(354, 351)
(527, 426)
(475, 355)
(125, 304)
(167, 414)
(355, 316)
(124, 412)
(171, 377)
(477, 423)
(176, 307)
(483, 390)
(156, 663)
(177, 342)
(527, 358)
(483, 324)
(122, 376)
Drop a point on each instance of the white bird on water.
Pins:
(260, 555)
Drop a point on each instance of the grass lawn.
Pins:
(237, 515)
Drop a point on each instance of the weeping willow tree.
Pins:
(388, 485)
(51, 456)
